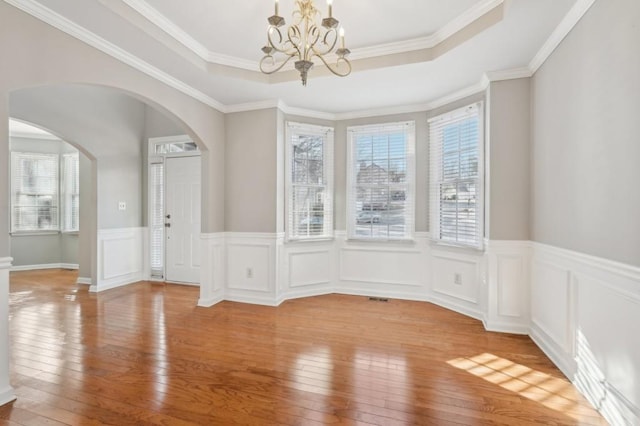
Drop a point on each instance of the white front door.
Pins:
(182, 219)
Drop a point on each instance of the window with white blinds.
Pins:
(309, 170)
(456, 157)
(70, 192)
(381, 182)
(34, 192)
(156, 218)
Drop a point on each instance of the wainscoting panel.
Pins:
(585, 314)
(306, 269)
(120, 257)
(251, 268)
(7, 393)
(456, 281)
(212, 269)
(396, 270)
(508, 289)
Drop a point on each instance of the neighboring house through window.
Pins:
(456, 156)
(309, 181)
(381, 180)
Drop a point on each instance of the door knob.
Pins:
(167, 225)
(168, 216)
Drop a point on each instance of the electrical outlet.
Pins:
(122, 205)
(457, 278)
(249, 272)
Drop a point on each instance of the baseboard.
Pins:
(552, 351)
(303, 293)
(115, 283)
(7, 395)
(83, 281)
(506, 327)
(252, 300)
(210, 301)
(44, 266)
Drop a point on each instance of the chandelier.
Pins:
(305, 41)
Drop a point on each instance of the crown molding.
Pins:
(35, 9)
(570, 20)
(197, 48)
(67, 26)
(510, 74)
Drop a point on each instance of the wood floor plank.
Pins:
(145, 354)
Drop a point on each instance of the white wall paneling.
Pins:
(120, 257)
(370, 268)
(212, 270)
(507, 280)
(585, 312)
(306, 269)
(6, 391)
(251, 261)
(456, 280)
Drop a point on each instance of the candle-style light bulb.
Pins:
(330, 4)
(276, 7)
(342, 37)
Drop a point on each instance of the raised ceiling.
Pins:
(405, 52)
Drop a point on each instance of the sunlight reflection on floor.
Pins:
(552, 392)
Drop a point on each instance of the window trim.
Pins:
(411, 148)
(434, 196)
(64, 208)
(328, 172)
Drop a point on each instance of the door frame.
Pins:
(155, 156)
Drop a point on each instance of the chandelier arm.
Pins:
(329, 46)
(334, 68)
(275, 69)
(280, 46)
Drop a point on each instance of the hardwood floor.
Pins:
(145, 354)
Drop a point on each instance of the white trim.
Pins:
(44, 266)
(7, 395)
(509, 74)
(58, 21)
(83, 281)
(26, 135)
(562, 30)
(5, 262)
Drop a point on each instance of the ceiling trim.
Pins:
(181, 36)
(570, 20)
(448, 30)
(52, 18)
(67, 26)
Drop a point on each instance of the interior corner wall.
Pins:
(251, 180)
(585, 137)
(508, 160)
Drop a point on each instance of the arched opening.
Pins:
(112, 127)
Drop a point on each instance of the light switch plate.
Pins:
(122, 205)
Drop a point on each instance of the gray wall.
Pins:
(251, 201)
(508, 154)
(585, 147)
(106, 125)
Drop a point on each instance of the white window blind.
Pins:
(381, 182)
(156, 218)
(70, 191)
(309, 181)
(456, 154)
(34, 192)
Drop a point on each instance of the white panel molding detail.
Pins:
(306, 269)
(251, 268)
(7, 393)
(508, 286)
(45, 266)
(120, 258)
(212, 271)
(592, 340)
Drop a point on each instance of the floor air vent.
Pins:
(378, 299)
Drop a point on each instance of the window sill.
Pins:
(33, 233)
(406, 241)
(310, 240)
(456, 247)
(70, 232)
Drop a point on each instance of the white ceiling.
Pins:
(186, 40)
